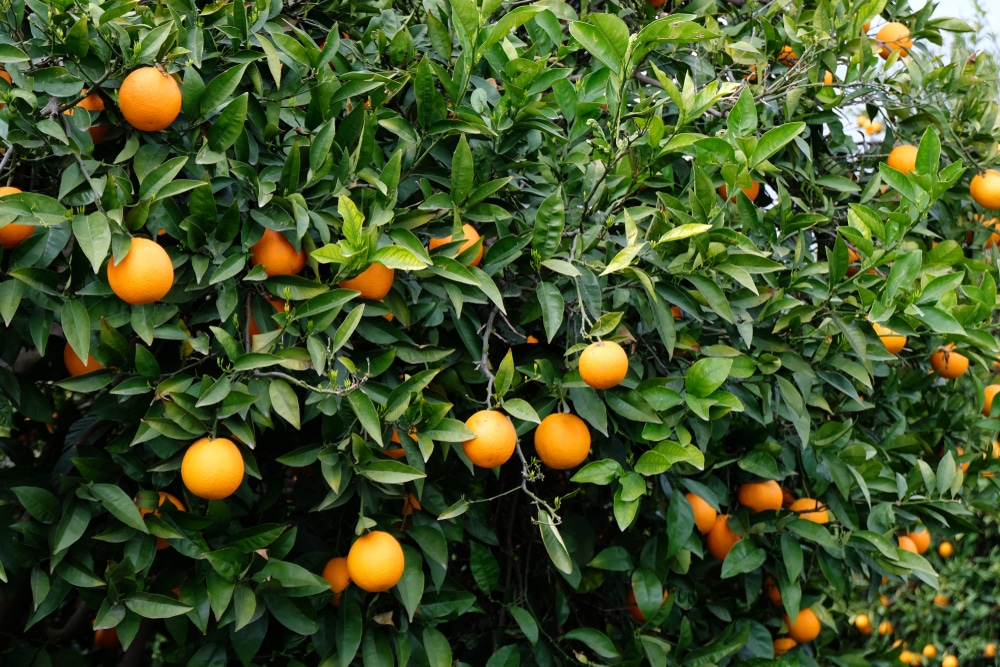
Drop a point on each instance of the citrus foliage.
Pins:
(587, 151)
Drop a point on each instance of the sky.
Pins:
(964, 9)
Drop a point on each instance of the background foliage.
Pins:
(586, 144)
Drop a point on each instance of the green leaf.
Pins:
(598, 472)
(229, 125)
(904, 271)
(526, 622)
(774, 140)
(550, 219)
(390, 472)
(285, 402)
(437, 647)
(745, 556)
(71, 526)
(686, 231)
(221, 87)
(40, 503)
(150, 605)
(75, 320)
(504, 375)
(400, 258)
(553, 541)
(660, 459)
(742, 118)
(119, 505)
(929, 152)
(521, 409)
(363, 409)
(159, 177)
(93, 236)
(706, 375)
(606, 38)
(553, 307)
(596, 641)
(463, 171)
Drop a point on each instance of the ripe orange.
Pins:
(805, 628)
(866, 27)
(375, 562)
(751, 192)
(107, 639)
(828, 78)
(906, 544)
(92, 103)
(772, 590)
(885, 628)
(278, 304)
(633, 606)
(948, 363)
(411, 503)
(921, 538)
(471, 236)
(940, 600)
(721, 538)
(861, 621)
(704, 514)
(811, 509)
(149, 99)
(397, 452)
(864, 121)
(335, 572)
(893, 341)
(165, 497)
(894, 37)
(212, 469)
(949, 661)
(903, 158)
(945, 549)
(761, 496)
(787, 56)
(988, 393)
(144, 276)
(603, 364)
(495, 439)
(985, 189)
(277, 255)
(373, 283)
(562, 441)
(929, 651)
(783, 645)
(76, 366)
(13, 234)
(906, 657)
(990, 651)
(531, 340)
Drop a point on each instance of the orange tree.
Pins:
(240, 345)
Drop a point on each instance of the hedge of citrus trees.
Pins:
(379, 333)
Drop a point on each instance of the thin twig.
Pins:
(484, 363)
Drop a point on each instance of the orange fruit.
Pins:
(861, 621)
(772, 590)
(894, 37)
(906, 544)
(13, 234)
(990, 651)
(335, 572)
(811, 509)
(751, 192)
(396, 452)
(149, 99)
(948, 363)
(761, 496)
(988, 393)
(805, 628)
(165, 497)
(985, 189)
(633, 605)
(921, 539)
(144, 276)
(92, 103)
(903, 158)
(906, 657)
(721, 538)
(864, 121)
(783, 645)
(828, 78)
(495, 439)
(5, 75)
(562, 441)
(945, 549)
(373, 283)
(375, 562)
(929, 651)
(940, 600)
(107, 639)
(893, 341)
(471, 236)
(786, 498)
(866, 27)
(949, 661)
(885, 628)
(603, 364)
(704, 514)
(277, 255)
(212, 469)
(76, 366)
(787, 56)
(531, 340)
